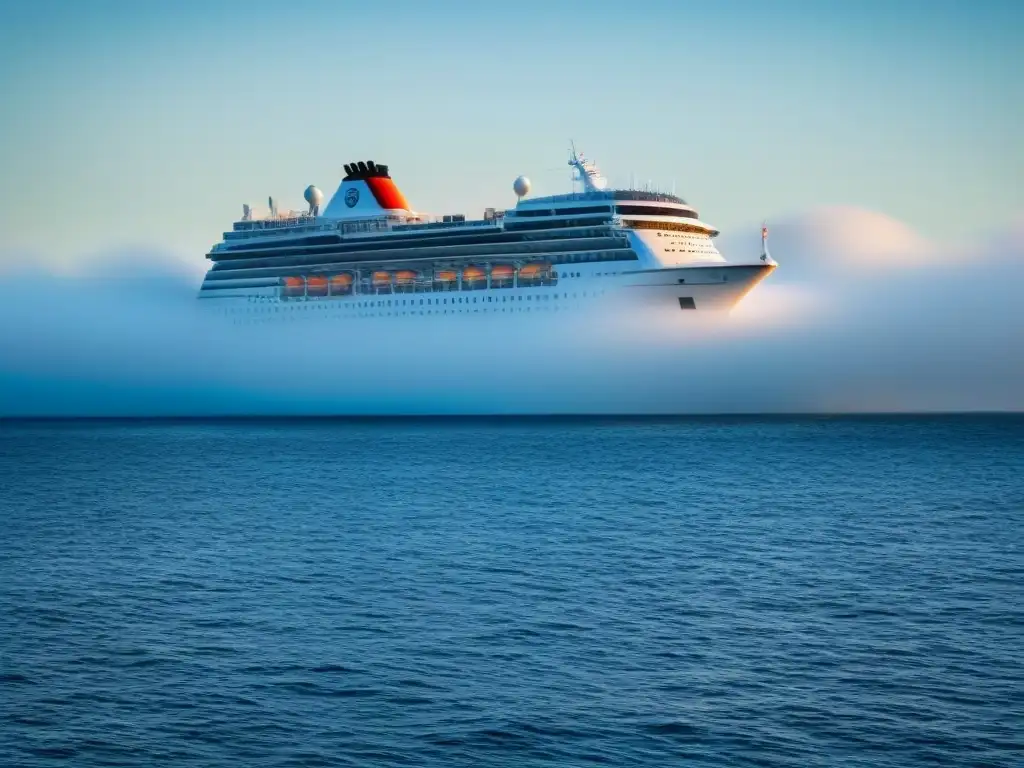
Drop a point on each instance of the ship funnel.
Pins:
(366, 190)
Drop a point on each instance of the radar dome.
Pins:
(313, 195)
(521, 186)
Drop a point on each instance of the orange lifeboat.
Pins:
(341, 284)
(534, 270)
(445, 276)
(534, 273)
(502, 272)
(294, 286)
(405, 277)
(316, 285)
(381, 280)
(473, 275)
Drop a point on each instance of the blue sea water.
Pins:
(770, 592)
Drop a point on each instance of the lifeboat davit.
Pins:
(316, 285)
(294, 286)
(341, 284)
(473, 275)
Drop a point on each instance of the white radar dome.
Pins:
(313, 195)
(521, 186)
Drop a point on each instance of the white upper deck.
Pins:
(368, 201)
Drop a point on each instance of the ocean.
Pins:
(777, 591)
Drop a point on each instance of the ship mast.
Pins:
(587, 171)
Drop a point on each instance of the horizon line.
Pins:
(511, 417)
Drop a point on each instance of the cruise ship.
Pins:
(370, 254)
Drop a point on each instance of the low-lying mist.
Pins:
(862, 315)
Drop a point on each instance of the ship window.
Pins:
(686, 302)
(651, 210)
(591, 209)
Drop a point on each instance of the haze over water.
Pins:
(774, 592)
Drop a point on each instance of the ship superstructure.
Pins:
(369, 254)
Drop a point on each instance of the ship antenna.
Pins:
(764, 241)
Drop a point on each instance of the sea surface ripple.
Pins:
(770, 592)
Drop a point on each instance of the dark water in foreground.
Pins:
(787, 592)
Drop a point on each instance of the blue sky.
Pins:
(128, 124)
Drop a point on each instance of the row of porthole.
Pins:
(412, 302)
(244, 321)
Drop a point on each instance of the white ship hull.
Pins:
(716, 287)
